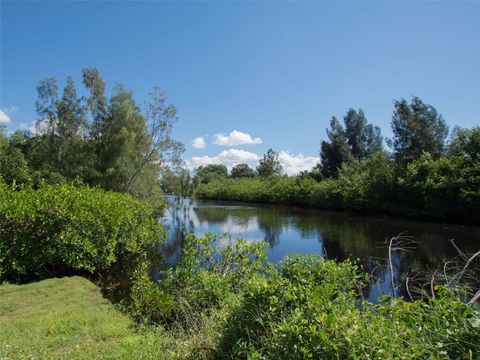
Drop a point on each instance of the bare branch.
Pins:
(459, 276)
(475, 298)
(464, 257)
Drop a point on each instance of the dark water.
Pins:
(331, 234)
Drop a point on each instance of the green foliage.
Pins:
(367, 183)
(301, 308)
(417, 128)
(208, 173)
(59, 229)
(356, 141)
(363, 139)
(466, 143)
(445, 189)
(13, 166)
(178, 183)
(308, 309)
(242, 171)
(209, 274)
(104, 142)
(269, 165)
(448, 187)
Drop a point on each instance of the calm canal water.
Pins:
(332, 234)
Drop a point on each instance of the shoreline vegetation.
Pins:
(443, 190)
(80, 196)
(425, 176)
(223, 300)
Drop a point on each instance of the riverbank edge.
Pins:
(368, 213)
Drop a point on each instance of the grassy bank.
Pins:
(68, 318)
(306, 308)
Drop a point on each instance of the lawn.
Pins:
(68, 318)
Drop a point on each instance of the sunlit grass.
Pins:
(68, 318)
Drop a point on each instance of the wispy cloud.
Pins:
(235, 138)
(199, 143)
(11, 109)
(4, 118)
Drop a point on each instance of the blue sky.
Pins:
(274, 71)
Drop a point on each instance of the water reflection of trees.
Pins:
(342, 236)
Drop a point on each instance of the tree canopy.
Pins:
(107, 142)
(242, 171)
(269, 164)
(208, 173)
(417, 128)
(357, 140)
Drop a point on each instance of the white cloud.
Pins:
(198, 143)
(293, 164)
(235, 138)
(4, 118)
(36, 127)
(229, 158)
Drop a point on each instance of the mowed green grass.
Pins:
(68, 318)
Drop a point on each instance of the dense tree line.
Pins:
(107, 142)
(424, 175)
(182, 184)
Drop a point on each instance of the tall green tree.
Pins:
(161, 149)
(357, 140)
(335, 151)
(111, 142)
(417, 128)
(355, 123)
(363, 139)
(46, 105)
(13, 165)
(61, 125)
(97, 101)
(242, 171)
(122, 140)
(373, 140)
(269, 164)
(72, 127)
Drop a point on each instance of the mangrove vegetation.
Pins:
(82, 194)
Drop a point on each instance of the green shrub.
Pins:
(209, 273)
(308, 308)
(304, 307)
(59, 229)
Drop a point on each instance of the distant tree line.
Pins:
(182, 184)
(107, 142)
(426, 173)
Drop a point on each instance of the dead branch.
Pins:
(458, 277)
(475, 298)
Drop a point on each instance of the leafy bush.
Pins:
(445, 188)
(60, 228)
(209, 273)
(301, 308)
